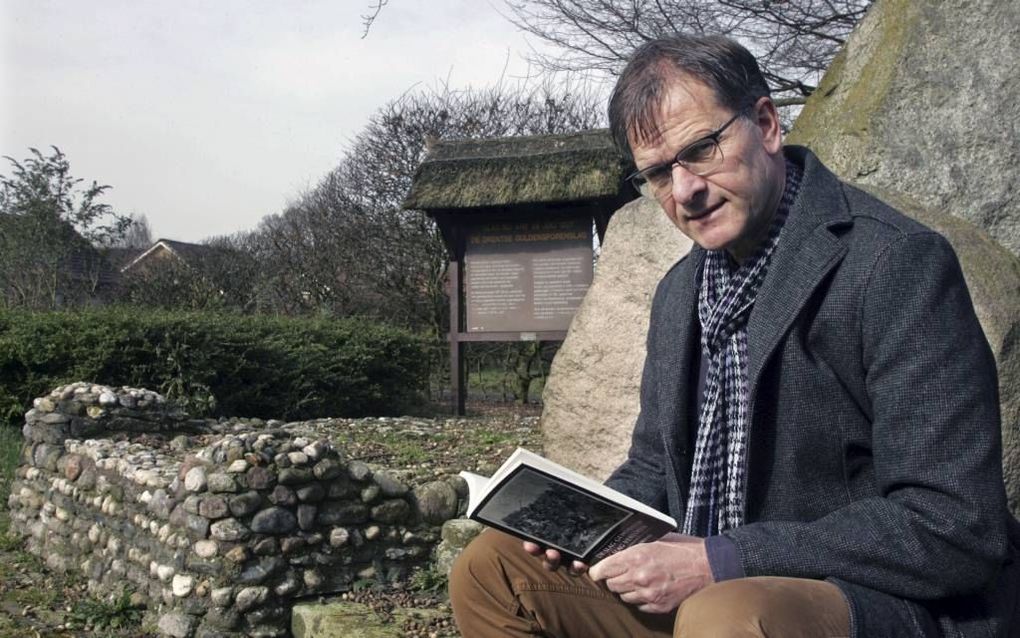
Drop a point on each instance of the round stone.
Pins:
(327, 469)
(250, 597)
(183, 585)
(334, 513)
(274, 520)
(221, 482)
(177, 624)
(316, 450)
(288, 585)
(389, 484)
(213, 507)
(359, 471)
(222, 596)
(291, 544)
(260, 478)
(165, 573)
(266, 547)
(206, 548)
(195, 480)
(306, 516)
(339, 536)
(244, 504)
(312, 578)
(295, 476)
(283, 496)
(238, 467)
(311, 493)
(229, 529)
(458, 532)
(436, 501)
(392, 511)
(370, 493)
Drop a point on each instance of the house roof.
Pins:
(518, 170)
(187, 252)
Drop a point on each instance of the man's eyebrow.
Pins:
(674, 151)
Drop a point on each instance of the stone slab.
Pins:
(350, 620)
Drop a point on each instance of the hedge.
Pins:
(216, 364)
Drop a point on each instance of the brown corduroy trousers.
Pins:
(497, 589)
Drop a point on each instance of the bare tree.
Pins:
(368, 19)
(138, 234)
(347, 247)
(794, 39)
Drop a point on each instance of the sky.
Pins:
(206, 115)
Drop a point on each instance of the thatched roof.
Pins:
(518, 170)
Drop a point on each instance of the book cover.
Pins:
(536, 499)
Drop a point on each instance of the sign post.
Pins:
(516, 215)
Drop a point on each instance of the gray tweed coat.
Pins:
(875, 444)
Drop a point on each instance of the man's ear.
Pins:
(766, 118)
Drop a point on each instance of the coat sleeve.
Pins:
(936, 524)
(642, 475)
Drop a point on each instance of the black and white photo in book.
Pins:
(539, 500)
(540, 506)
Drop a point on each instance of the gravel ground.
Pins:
(34, 602)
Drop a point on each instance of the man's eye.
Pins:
(697, 152)
(659, 174)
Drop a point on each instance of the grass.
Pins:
(496, 383)
(118, 613)
(429, 579)
(10, 450)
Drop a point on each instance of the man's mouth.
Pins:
(703, 213)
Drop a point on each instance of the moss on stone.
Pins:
(838, 121)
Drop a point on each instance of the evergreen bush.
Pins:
(216, 364)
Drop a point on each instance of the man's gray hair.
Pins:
(719, 62)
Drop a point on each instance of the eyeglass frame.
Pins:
(712, 137)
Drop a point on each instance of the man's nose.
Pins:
(686, 185)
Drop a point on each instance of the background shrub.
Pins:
(216, 364)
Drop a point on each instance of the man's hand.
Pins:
(551, 558)
(657, 576)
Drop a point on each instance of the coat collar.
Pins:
(806, 252)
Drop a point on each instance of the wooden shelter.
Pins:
(516, 215)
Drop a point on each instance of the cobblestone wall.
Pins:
(218, 526)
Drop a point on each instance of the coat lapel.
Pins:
(675, 364)
(806, 252)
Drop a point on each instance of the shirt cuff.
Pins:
(723, 559)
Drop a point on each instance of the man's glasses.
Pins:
(699, 157)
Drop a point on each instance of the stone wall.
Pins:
(218, 527)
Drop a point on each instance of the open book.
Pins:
(535, 499)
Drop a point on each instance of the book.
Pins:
(538, 500)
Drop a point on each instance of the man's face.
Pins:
(731, 206)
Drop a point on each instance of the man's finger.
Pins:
(577, 567)
(608, 568)
(532, 548)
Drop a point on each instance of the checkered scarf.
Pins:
(726, 296)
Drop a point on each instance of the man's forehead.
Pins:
(686, 99)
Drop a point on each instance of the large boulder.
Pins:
(923, 99)
(591, 395)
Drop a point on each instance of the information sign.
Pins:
(526, 276)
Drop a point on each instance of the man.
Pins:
(818, 407)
